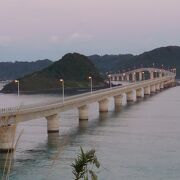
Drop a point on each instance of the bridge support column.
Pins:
(147, 90)
(122, 78)
(103, 105)
(131, 96)
(127, 77)
(53, 123)
(7, 137)
(151, 75)
(162, 85)
(117, 102)
(134, 76)
(140, 76)
(140, 93)
(83, 112)
(153, 89)
(157, 87)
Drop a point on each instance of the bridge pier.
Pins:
(117, 102)
(140, 76)
(162, 86)
(131, 96)
(140, 93)
(83, 112)
(7, 137)
(127, 77)
(151, 75)
(147, 90)
(103, 105)
(133, 76)
(157, 87)
(153, 89)
(53, 123)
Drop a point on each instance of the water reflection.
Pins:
(53, 141)
(103, 116)
(83, 124)
(141, 142)
(118, 108)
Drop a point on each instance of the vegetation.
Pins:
(109, 63)
(83, 165)
(14, 70)
(169, 57)
(73, 68)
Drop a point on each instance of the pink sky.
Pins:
(38, 29)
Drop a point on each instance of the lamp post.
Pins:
(17, 81)
(124, 75)
(134, 77)
(90, 78)
(62, 82)
(109, 76)
(143, 77)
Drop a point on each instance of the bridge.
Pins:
(10, 117)
(141, 74)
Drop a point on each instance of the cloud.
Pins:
(55, 39)
(80, 36)
(6, 40)
(74, 37)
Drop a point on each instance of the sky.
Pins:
(40, 29)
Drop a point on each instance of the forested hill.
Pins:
(14, 70)
(169, 57)
(73, 68)
(109, 62)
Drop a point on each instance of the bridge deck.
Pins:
(33, 111)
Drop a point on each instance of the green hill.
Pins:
(109, 62)
(14, 70)
(73, 68)
(169, 57)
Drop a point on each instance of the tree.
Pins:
(83, 165)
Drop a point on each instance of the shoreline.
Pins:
(68, 91)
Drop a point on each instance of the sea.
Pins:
(141, 141)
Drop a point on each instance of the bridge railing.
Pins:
(8, 110)
(11, 110)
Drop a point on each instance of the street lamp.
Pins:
(156, 74)
(17, 81)
(134, 76)
(109, 76)
(90, 78)
(62, 82)
(143, 78)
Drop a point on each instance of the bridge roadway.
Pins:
(153, 72)
(9, 117)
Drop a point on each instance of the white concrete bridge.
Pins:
(141, 74)
(10, 117)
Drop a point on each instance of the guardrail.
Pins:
(85, 96)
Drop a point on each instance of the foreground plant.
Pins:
(83, 165)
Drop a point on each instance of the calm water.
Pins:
(141, 142)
